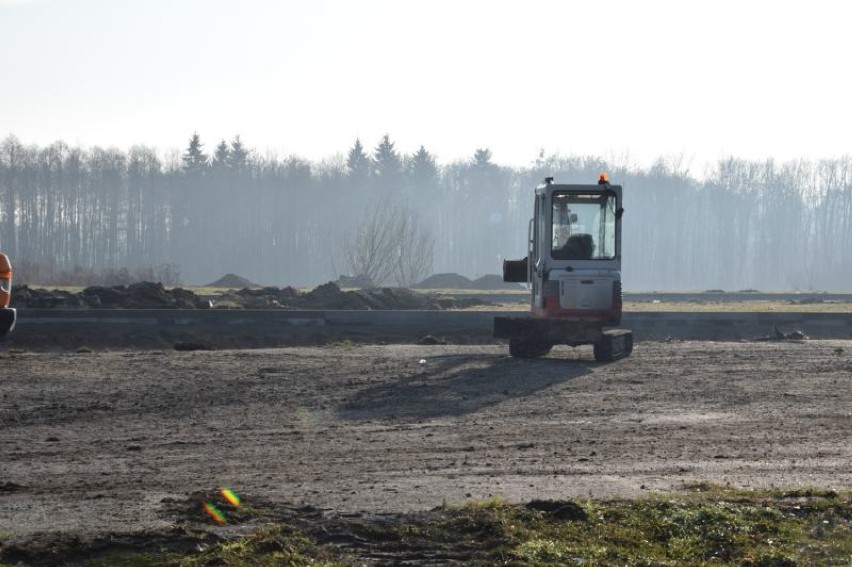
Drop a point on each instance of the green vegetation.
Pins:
(705, 525)
(272, 545)
(708, 526)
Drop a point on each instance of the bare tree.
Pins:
(390, 244)
(415, 249)
(367, 251)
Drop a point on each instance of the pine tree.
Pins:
(238, 156)
(422, 171)
(195, 160)
(358, 163)
(388, 164)
(221, 158)
(482, 158)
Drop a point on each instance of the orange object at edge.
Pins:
(5, 274)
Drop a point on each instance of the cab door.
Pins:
(538, 250)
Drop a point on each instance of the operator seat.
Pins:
(577, 247)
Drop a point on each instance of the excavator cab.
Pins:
(7, 314)
(573, 266)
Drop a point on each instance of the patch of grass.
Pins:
(711, 526)
(276, 544)
(494, 503)
(706, 524)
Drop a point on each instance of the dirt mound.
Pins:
(143, 295)
(492, 281)
(330, 296)
(263, 298)
(360, 282)
(444, 281)
(232, 281)
(457, 281)
(149, 295)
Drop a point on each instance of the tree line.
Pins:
(284, 220)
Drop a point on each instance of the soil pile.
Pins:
(149, 295)
(232, 281)
(330, 296)
(492, 281)
(143, 295)
(444, 281)
(457, 281)
(359, 282)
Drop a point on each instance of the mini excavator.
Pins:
(574, 267)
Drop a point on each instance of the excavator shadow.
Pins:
(456, 385)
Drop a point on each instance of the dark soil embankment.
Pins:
(162, 329)
(147, 295)
(143, 295)
(330, 296)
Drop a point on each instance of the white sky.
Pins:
(638, 78)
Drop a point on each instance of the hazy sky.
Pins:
(703, 79)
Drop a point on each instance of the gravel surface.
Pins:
(109, 441)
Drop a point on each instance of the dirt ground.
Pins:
(109, 442)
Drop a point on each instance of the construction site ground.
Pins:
(100, 442)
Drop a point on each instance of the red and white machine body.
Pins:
(574, 268)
